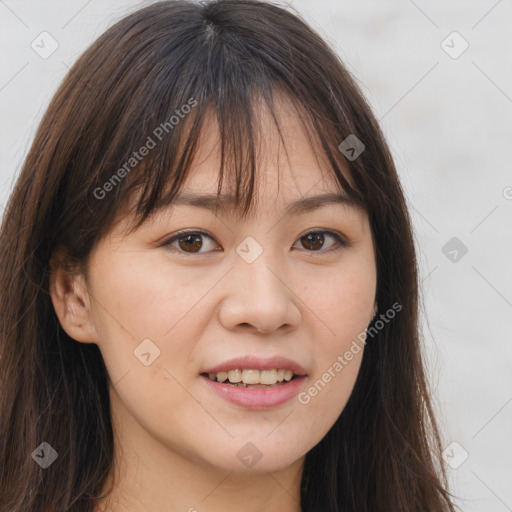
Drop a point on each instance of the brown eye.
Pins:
(189, 242)
(314, 241)
(193, 242)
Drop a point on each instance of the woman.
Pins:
(210, 294)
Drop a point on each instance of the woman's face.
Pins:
(163, 315)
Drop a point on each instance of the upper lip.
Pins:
(257, 363)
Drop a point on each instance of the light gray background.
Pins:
(448, 121)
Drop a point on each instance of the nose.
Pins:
(260, 298)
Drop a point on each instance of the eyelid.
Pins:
(191, 231)
(343, 242)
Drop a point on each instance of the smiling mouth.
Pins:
(252, 378)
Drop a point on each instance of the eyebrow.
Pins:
(225, 203)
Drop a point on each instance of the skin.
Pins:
(176, 442)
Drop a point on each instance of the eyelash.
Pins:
(342, 242)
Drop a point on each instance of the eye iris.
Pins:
(315, 238)
(189, 239)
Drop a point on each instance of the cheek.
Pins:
(142, 312)
(325, 397)
(146, 340)
(344, 305)
(330, 384)
(342, 301)
(145, 299)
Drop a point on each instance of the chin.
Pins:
(256, 456)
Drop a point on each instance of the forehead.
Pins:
(290, 170)
(288, 162)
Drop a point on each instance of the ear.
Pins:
(71, 299)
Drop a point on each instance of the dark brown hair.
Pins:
(383, 452)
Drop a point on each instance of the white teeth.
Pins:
(234, 376)
(268, 376)
(253, 377)
(222, 376)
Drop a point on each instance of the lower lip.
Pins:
(257, 398)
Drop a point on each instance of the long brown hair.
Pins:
(383, 452)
